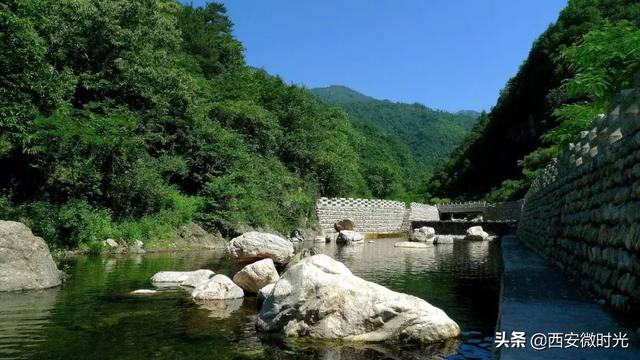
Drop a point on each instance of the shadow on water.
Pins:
(93, 315)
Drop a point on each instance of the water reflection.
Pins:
(23, 319)
(353, 351)
(94, 315)
(220, 309)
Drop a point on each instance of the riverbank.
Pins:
(537, 298)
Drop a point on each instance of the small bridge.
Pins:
(466, 209)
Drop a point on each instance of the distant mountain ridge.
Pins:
(339, 94)
(429, 134)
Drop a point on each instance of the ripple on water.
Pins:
(23, 317)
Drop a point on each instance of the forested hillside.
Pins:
(430, 135)
(126, 119)
(572, 71)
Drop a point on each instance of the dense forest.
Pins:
(127, 119)
(430, 135)
(573, 70)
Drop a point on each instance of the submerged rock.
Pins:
(476, 233)
(411, 244)
(218, 287)
(423, 234)
(143, 292)
(320, 298)
(255, 276)
(349, 237)
(344, 224)
(25, 260)
(253, 246)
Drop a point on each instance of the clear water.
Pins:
(93, 316)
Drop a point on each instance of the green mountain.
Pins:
(571, 72)
(339, 95)
(430, 135)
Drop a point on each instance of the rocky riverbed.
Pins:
(97, 309)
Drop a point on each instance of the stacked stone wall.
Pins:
(373, 215)
(423, 212)
(583, 212)
(504, 211)
(370, 215)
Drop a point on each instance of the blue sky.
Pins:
(446, 54)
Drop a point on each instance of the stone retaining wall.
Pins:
(504, 211)
(583, 212)
(372, 215)
(423, 212)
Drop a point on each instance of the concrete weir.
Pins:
(538, 298)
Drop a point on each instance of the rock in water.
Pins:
(143, 292)
(198, 277)
(173, 277)
(25, 260)
(185, 278)
(345, 224)
(320, 298)
(423, 234)
(253, 246)
(218, 287)
(265, 292)
(475, 233)
(349, 237)
(254, 277)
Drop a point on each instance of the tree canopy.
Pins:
(127, 119)
(572, 71)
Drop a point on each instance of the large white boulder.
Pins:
(253, 246)
(219, 287)
(349, 237)
(198, 277)
(320, 298)
(254, 277)
(423, 234)
(476, 233)
(174, 277)
(25, 260)
(185, 278)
